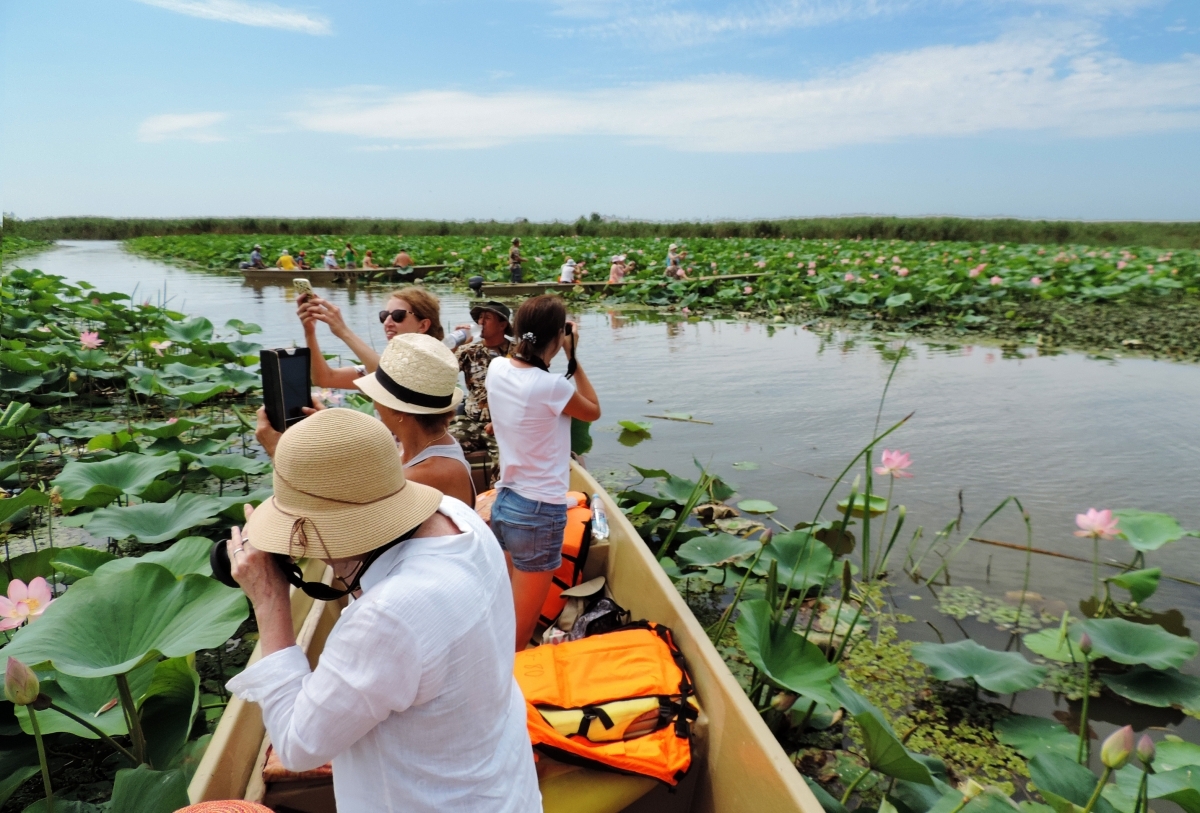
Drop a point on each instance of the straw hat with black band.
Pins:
(498, 308)
(340, 490)
(416, 374)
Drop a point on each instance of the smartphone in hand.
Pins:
(303, 288)
(287, 385)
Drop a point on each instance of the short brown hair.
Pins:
(424, 305)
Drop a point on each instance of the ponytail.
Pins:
(538, 322)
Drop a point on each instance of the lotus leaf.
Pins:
(670, 568)
(188, 555)
(65, 806)
(878, 505)
(161, 490)
(782, 655)
(231, 466)
(197, 329)
(16, 382)
(109, 625)
(827, 802)
(243, 328)
(27, 567)
(676, 489)
(246, 350)
(233, 507)
(1175, 753)
(168, 708)
(1168, 687)
(152, 523)
(717, 550)
(169, 429)
(1000, 672)
(1036, 735)
(1063, 782)
(179, 370)
(1141, 584)
(197, 393)
(1126, 642)
(86, 429)
(143, 790)
(1181, 786)
(757, 507)
(98, 484)
(1146, 531)
(803, 560)
(883, 748)
(651, 474)
(79, 561)
(637, 427)
(17, 776)
(1052, 645)
(26, 499)
(85, 697)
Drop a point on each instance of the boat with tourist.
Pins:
(342, 275)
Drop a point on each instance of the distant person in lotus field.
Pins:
(566, 274)
(369, 259)
(616, 271)
(285, 261)
(349, 256)
(515, 261)
(331, 259)
(402, 260)
(256, 257)
(302, 261)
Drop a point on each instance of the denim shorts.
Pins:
(530, 531)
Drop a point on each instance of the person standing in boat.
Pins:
(515, 260)
(331, 260)
(409, 310)
(413, 699)
(531, 412)
(566, 274)
(473, 428)
(349, 256)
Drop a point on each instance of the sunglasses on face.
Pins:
(398, 315)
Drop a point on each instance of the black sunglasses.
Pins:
(398, 315)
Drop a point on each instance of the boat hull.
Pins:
(340, 275)
(501, 290)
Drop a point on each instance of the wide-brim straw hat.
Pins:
(416, 374)
(340, 490)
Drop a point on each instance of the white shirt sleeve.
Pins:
(562, 390)
(371, 667)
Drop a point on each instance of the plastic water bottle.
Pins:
(599, 518)
(459, 336)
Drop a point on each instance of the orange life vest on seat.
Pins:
(577, 538)
(636, 661)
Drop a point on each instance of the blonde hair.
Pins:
(423, 305)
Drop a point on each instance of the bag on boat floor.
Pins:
(619, 701)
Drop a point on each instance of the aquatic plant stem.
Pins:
(887, 510)
(850, 788)
(1028, 563)
(1142, 803)
(131, 714)
(1083, 711)
(41, 749)
(122, 749)
(737, 597)
(1096, 567)
(1099, 787)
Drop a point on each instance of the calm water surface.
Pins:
(1061, 432)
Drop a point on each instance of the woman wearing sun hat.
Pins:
(413, 698)
(415, 394)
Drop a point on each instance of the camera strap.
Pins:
(325, 592)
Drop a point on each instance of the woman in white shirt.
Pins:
(414, 698)
(566, 274)
(531, 415)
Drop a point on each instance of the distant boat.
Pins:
(515, 289)
(341, 275)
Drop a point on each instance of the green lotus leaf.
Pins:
(79, 561)
(783, 656)
(676, 489)
(1173, 753)
(97, 484)
(232, 507)
(1052, 645)
(1031, 736)
(1153, 687)
(717, 550)
(636, 426)
(168, 709)
(243, 328)
(1145, 530)
(27, 567)
(18, 775)
(16, 382)
(85, 697)
(1000, 672)
(28, 498)
(169, 429)
(197, 329)
(188, 555)
(86, 429)
(109, 625)
(161, 490)
(803, 560)
(152, 523)
(757, 507)
(179, 370)
(231, 466)
(1126, 642)
(651, 474)
(1181, 786)
(1141, 584)
(197, 393)
(878, 505)
(246, 350)
(65, 806)
(884, 750)
(1063, 783)
(143, 790)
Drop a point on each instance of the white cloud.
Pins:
(181, 127)
(263, 15)
(1061, 81)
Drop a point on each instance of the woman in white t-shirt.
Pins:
(531, 412)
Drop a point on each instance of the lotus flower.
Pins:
(159, 347)
(90, 340)
(1035, 281)
(747, 290)
(880, 260)
(1149, 268)
(812, 263)
(1145, 750)
(848, 278)
(20, 683)
(791, 254)
(761, 264)
(895, 259)
(903, 272)
(1085, 644)
(24, 602)
(995, 280)
(977, 270)
(1121, 264)
(1117, 748)
(812, 272)
(686, 310)
(1097, 524)
(894, 463)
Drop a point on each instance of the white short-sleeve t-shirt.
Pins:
(532, 432)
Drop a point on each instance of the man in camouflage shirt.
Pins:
(471, 429)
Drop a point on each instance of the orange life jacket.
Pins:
(577, 538)
(636, 661)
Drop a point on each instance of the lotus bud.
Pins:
(56, 497)
(783, 701)
(73, 377)
(970, 789)
(764, 539)
(1085, 644)
(1145, 750)
(20, 683)
(1117, 748)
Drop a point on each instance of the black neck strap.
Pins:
(412, 396)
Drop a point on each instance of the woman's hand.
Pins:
(255, 571)
(322, 310)
(571, 340)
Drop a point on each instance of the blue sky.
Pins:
(548, 109)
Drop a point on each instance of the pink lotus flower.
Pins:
(812, 263)
(90, 340)
(1121, 264)
(761, 264)
(747, 290)
(686, 310)
(1035, 281)
(812, 272)
(880, 260)
(1149, 269)
(791, 254)
(24, 602)
(874, 276)
(983, 251)
(895, 259)
(977, 270)
(995, 280)
(159, 347)
(848, 278)
(713, 266)
(894, 463)
(903, 272)
(1097, 524)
